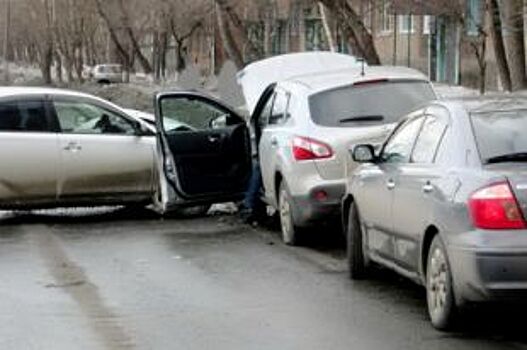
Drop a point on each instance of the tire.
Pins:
(440, 299)
(290, 233)
(357, 268)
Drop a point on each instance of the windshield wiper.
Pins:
(512, 157)
(363, 118)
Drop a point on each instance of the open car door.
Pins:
(205, 151)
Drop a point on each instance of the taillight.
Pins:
(305, 148)
(495, 208)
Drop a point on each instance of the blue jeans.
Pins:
(252, 196)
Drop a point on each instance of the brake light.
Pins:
(495, 208)
(370, 82)
(305, 148)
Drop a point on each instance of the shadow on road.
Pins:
(492, 322)
(87, 215)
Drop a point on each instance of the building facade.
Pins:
(436, 38)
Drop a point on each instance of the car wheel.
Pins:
(290, 232)
(439, 290)
(354, 246)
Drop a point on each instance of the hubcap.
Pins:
(438, 275)
(285, 218)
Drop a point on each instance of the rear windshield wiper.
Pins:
(363, 118)
(512, 157)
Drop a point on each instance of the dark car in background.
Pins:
(444, 204)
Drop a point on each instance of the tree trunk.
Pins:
(79, 63)
(147, 67)
(514, 41)
(268, 29)
(229, 44)
(163, 54)
(58, 68)
(327, 27)
(358, 35)
(125, 57)
(46, 60)
(6, 41)
(499, 47)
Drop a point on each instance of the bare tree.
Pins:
(121, 49)
(6, 41)
(327, 27)
(358, 36)
(125, 18)
(512, 14)
(499, 47)
(231, 46)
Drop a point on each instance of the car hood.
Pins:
(256, 77)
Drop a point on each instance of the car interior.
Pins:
(212, 155)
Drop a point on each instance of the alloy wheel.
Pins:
(438, 275)
(285, 218)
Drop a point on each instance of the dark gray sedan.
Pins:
(443, 203)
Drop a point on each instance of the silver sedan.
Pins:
(445, 204)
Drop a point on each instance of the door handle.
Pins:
(274, 141)
(73, 147)
(390, 184)
(427, 188)
(214, 138)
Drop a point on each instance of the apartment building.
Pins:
(431, 36)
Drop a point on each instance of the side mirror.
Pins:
(219, 122)
(363, 154)
(143, 130)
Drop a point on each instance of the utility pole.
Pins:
(395, 23)
(409, 39)
(6, 40)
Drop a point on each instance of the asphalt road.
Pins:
(128, 280)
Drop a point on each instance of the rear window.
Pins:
(381, 102)
(110, 69)
(500, 133)
(23, 115)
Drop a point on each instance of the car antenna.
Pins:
(363, 66)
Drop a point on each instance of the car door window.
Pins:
(399, 147)
(280, 108)
(86, 118)
(428, 140)
(265, 115)
(192, 114)
(23, 116)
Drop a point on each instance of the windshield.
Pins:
(355, 105)
(500, 134)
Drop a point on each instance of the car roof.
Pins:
(6, 91)
(489, 103)
(328, 80)
(12, 91)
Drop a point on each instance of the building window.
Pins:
(385, 17)
(278, 38)
(427, 23)
(473, 17)
(367, 14)
(406, 24)
(315, 35)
